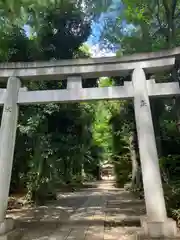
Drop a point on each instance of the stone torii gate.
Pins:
(156, 223)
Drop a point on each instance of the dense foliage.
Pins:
(55, 143)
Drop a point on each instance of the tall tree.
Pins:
(54, 141)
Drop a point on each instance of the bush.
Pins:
(122, 169)
(40, 189)
(89, 178)
(170, 169)
(172, 197)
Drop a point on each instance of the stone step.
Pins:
(121, 220)
(141, 236)
(13, 235)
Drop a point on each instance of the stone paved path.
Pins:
(99, 213)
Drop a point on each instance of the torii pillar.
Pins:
(7, 144)
(156, 224)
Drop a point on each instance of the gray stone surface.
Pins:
(88, 211)
(166, 228)
(12, 235)
(6, 226)
(87, 94)
(127, 58)
(158, 224)
(74, 83)
(154, 198)
(7, 143)
(90, 68)
(74, 95)
(99, 213)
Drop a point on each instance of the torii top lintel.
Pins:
(90, 68)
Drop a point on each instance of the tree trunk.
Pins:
(155, 115)
(175, 78)
(135, 182)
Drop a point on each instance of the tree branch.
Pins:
(166, 6)
(157, 15)
(174, 4)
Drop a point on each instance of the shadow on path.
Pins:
(100, 212)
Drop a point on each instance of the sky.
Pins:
(94, 40)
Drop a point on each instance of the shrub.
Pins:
(122, 169)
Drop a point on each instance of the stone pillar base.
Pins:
(6, 226)
(164, 230)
